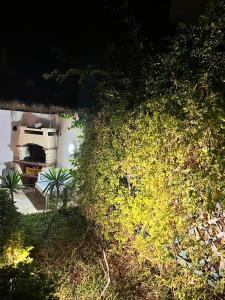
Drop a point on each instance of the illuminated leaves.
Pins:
(150, 168)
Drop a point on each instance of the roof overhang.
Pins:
(15, 105)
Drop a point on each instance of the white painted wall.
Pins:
(68, 142)
(6, 153)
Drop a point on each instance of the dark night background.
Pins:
(39, 40)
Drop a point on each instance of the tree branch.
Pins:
(106, 274)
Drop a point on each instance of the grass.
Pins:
(69, 252)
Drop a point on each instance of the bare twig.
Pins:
(106, 272)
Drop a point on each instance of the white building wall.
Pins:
(69, 141)
(6, 153)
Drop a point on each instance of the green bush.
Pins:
(9, 217)
(12, 250)
(23, 283)
(151, 168)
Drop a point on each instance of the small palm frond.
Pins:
(49, 188)
(56, 178)
(11, 181)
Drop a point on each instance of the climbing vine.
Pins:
(151, 168)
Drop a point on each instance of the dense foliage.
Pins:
(18, 279)
(151, 169)
(11, 182)
(12, 250)
(23, 282)
(8, 217)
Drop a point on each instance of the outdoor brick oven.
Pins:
(37, 145)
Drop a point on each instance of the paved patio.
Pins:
(29, 202)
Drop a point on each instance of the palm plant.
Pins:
(11, 181)
(57, 180)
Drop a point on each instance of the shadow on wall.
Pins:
(28, 119)
(6, 168)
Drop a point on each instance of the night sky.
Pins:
(46, 38)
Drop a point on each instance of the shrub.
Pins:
(9, 217)
(12, 250)
(151, 170)
(24, 282)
